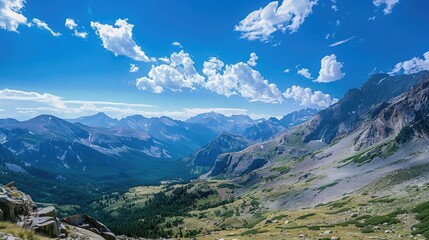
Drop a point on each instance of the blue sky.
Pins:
(306, 53)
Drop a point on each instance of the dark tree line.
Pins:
(150, 220)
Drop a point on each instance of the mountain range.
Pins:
(100, 148)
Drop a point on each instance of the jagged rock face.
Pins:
(408, 111)
(344, 117)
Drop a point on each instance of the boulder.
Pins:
(11, 205)
(86, 222)
(47, 212)
(46, 226)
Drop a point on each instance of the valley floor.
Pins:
(363, 215)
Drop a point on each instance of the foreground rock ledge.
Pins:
(18, 207)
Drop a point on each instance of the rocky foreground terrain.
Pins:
(18, 208)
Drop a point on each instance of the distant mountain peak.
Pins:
(100, 120)
(101, 114)
(44, 118)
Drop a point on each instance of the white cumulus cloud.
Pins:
(11, 16)
(180, 73)
(252, 60)
(119, 39)
(44, 26)
(330, 70)
(262, 23)
(72, 25)
(235, 79)
(305, 73)
(389, 4)
(240, 79)
(309, 98)
(413, 65)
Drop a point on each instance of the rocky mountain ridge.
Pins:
(351, 113)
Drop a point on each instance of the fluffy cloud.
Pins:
(305, 73)
(341, 42)
(389, 4)
(133, 68)
(72, 25)
(262, 23)
(330, 70)
(240, 79)
(252, 60)
(180, 73)
(10, 14)
(119, 39)
(17, 95)
(235, 79)
(177, 44)
(44, 26)
(307, 97)
(413, 65)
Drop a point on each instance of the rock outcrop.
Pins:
(18, 207)
(86, 222)
(12, 204)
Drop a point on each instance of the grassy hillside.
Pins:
(206, 209)
(14, 230)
